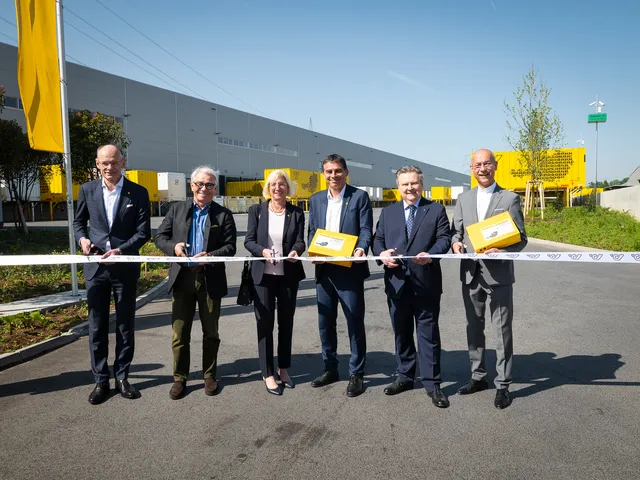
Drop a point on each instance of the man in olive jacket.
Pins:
(197, 228)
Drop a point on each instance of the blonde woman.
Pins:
(275, 229)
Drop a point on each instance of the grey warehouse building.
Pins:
(172, 132)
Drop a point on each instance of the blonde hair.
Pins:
(274, 175)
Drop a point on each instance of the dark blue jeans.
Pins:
(337, 286)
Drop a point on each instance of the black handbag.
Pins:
(245, 292)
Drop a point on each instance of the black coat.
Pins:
(257, 239)
(219, 237)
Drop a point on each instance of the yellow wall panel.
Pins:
(567, 168)
(147, 179)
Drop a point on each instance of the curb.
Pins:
(32, 351)
(564, 246)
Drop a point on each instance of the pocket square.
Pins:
(499, 210)
(130, 205)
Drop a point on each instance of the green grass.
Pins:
(589, 227)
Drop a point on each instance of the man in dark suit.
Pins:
(487, 282)
(118, 211)
(346, 209)
(414, 227)
(197, 228)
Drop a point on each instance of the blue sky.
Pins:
(424, 79)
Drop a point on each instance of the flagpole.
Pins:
(66, 141)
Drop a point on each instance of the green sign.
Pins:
(597, 117)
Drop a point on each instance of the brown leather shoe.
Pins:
(178, 389)
(210, 386)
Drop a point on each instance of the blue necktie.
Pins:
(412, 216)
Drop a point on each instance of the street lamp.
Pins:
(597, 118)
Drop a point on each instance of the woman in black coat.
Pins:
(275, 229)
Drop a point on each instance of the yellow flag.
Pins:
(38, 73)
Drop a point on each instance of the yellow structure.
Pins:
(245, 188)
(585, 192)
(307, 182)
(147, 179)
(565, 170)
(440, 193)
(391, 195)
(53, 185)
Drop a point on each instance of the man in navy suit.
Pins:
(346, 209)
(414, 227)
(118, 211)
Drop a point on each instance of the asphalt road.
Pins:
(574, 415)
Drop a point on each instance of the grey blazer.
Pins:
(494, 272)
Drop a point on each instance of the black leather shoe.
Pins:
(178, 390)
(438, 398)
(288, 384)
(503, 400)
(273, 391)
(356, 386)
(126, 390)
(100, 393)
(327, 377)
(397, 387)
(473, 386)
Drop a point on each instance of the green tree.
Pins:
(87, 132)
(20, 167)
(532, 129)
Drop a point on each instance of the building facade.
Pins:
(172, 132)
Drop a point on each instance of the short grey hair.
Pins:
(109, 145)
(410, 169)
(274, 175)
(204, 169)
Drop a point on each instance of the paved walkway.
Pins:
(45, 302)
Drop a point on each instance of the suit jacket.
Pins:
(257, 239)
(356, 218)
(430, 233)
(219, 240)
(131, 227)
(494, 272)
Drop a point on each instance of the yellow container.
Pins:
(245, 188)
(498, 231)
(440, 193)
(307, 182)
(391, 195)
(53, 185)
(147, 179)
(332, 244)
(565, 168)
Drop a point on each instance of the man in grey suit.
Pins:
(488, 281)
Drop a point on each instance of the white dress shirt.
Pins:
(110, 199)
(334, 209)
(484, 197)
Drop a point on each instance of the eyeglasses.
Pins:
(108, 164)
(200, 185)
(477, 166)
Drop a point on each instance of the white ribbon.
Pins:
(576, 257)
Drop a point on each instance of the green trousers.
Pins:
(190, 289)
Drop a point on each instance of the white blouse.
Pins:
(276, 233)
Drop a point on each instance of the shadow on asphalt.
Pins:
(541, 371)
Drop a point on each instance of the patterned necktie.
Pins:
(412, 215)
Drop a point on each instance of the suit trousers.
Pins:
(334, 286)
(122, 280)
(270, 289)
(190, 289)
(423, 310)
(500, 299)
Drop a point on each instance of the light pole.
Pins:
(597, 118)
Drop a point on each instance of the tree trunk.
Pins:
(22, 224)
